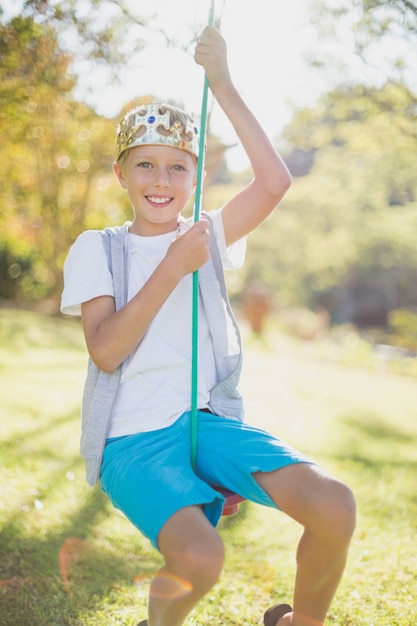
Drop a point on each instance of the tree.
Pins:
(366, 40)
(346, 236)
(55, 151)
(90, 30)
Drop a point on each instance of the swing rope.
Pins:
(232, 500)
(195, 284)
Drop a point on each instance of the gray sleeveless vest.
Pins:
(101, 387)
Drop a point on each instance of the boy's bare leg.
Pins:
(194, 557)
(326, 509)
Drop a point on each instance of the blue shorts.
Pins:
(148, 476)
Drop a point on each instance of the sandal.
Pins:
(144, 622)
(274, 613)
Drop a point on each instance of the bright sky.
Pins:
(266, 43)
(269, 42)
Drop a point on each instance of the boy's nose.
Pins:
(162, 179)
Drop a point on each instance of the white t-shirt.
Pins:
(155, 384)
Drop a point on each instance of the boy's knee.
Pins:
(198, 561)
(340, 513)
(204, 564)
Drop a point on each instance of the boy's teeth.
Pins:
(159, 200)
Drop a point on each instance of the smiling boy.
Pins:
(132, 286)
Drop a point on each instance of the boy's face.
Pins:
(159, 181)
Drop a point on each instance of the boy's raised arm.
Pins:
(246, 210)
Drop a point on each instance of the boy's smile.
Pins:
(158, 200)
(159, 181)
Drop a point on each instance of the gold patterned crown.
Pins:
(158, 124)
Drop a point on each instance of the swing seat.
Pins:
(231, 506)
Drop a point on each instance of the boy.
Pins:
(133, 287)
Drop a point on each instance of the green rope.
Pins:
(194, 322)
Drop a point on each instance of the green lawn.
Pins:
(68, 558)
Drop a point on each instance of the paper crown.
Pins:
(145, 125)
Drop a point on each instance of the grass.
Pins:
(68, 559)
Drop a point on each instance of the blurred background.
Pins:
(332, 82)
(327, 299)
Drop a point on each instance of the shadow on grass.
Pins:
(378, 430)
(31, 566)
(33, 589)
(379, 459)
(374, 442)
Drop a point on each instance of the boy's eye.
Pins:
(145, 164)
(178, 168)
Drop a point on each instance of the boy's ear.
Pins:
(120, 176)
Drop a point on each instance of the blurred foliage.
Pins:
(365, 40)
(16, 273)
(379, 17)
(93, 31)
(56, 156)
(403, 326)
(343, 240)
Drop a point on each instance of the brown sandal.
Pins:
(274, 613)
